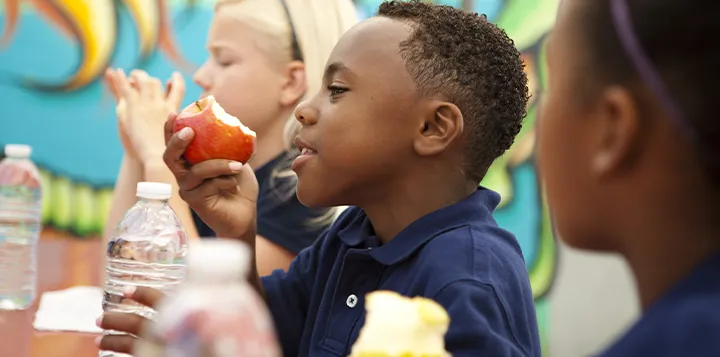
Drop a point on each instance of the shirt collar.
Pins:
(477, 207)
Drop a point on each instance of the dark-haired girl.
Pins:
(630, 154)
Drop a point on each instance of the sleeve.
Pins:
(290, 225)
(288, 296)
(478, 322)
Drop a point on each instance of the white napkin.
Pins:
(73, 309)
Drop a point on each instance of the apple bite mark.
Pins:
(229, 119)
(218, 135)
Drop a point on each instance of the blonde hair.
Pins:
(317, 25)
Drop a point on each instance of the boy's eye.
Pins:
(336, 90)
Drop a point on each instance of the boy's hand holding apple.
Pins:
(207, 151)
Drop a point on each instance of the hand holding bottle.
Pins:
(131, 324)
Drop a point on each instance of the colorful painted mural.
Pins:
(53, 52)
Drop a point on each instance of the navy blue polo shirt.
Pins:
(685, 322)
(281, 218)
(457, 256)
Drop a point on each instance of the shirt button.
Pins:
(351, 301)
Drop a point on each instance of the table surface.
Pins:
(63, 263)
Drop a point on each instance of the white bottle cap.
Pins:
(18, 151)
(154, 190)
(218, 261)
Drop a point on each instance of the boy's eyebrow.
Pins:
(335, 67)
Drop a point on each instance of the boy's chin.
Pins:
(313, 196)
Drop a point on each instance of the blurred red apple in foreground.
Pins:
(218, 135)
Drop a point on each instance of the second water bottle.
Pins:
(147, 248)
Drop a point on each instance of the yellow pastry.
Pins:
(398, 326)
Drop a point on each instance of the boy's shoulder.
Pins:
(456, 243)
(479, 251)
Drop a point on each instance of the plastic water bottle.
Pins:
(216, 313)
(20, 226)
(147, 248)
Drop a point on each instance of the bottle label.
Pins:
(19, 202)
(244, 331)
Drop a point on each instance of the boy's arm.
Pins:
(480, 324)
(287, 294)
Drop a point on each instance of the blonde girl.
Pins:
(264, 56)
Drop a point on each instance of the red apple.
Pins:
(218, 135)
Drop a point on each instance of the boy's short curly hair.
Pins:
(472, 63)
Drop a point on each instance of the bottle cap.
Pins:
(154, 190)
(18, 151)
(218, 261)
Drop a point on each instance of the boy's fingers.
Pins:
(209, 169)
(169, 126)
(123, 322)
(143, 295)
(117, 343)
(210, 188)
(226, 183)
(175, 148)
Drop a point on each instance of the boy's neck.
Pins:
(407, 202)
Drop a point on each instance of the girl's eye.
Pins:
(222, 62)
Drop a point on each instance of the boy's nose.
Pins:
(306, 114)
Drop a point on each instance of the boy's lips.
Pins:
(307, 152)
(304, 147)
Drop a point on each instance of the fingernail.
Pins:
(97, 341)
(98, 322)
(235, 166)
(185, 133)
(129, 291)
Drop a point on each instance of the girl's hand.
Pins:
(120, 110)
(143, 106)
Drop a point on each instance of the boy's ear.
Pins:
(439, 129)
